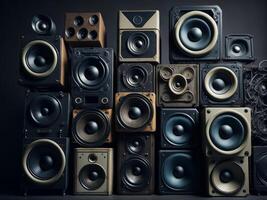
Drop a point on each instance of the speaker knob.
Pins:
(178, 130)
(195, 34)
(178, 171)
(91, 127)
(46, 163)
(135, 112)
(93, 176)
(226, 131)
(92, 73)
(218, 84)
(226, 176)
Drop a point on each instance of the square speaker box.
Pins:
(45, 165)
(135, 163)
(46, 114)
(239, 47)
(92, 77)
(85, 29)
(92, 127)
(178, 172)
(195, 33)
(43, 62)
(228, 177)
(221, 84)
(135, 112)
(177, 85)
(139, 36)
(179, 128)
(227, 132)
(136, 77)
(93, 171)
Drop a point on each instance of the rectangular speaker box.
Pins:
(43, 62)
(135, 77)
(228, 177)
(195, 33)
(179, 128)
(92, 127)
(46, 114)
(135, 112)
(177, 85)
(92, 77)
(178, 172)
(135, 163)
(93, 171)
(227, 132)
(139, 36)
(45, 165)
(85, 29)
(221, 84)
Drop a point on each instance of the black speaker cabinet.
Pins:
(43, 25)
(92, 77)
(178, 172)
(43, 62)
(179, 128)
(195, 33)
(46, 114)
(135, 163)
(45, 165)
(135, 77)
(221, 84)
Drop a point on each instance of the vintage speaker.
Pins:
(227, 132)
(195, 33)
(221, 84)
(239, 47)
(93, 171)
(228, 177)
(92, 127)
(43, 25)
(139, 36)
(135, 112)
(135, 163)
(136, 77)
(85, 29)
(46, 114)
(92, 77)
(178, 172)
(45, 165)
(179, 128)
(177, 85)
(43, 62)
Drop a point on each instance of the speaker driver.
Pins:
(39, 58)
(135, 145)
(178, 84)
(238, 48)
(196, 33)
(44, 161)
(43, 25)
(135, 77)
(138, 43)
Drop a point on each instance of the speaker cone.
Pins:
(135, 77)
(178, 84)
(43, 25)
(238, 48)
(135, 145)
(138, 43)
(261, 172)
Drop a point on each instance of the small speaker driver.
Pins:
(43, 25)
(138, 43)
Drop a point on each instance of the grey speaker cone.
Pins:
(135, 77)
(43, 25)
(238, 48)
(138, 43)
(178, 84)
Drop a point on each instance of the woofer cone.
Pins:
(135, 77)
(138, 43)
(178, 84)
(135, 145)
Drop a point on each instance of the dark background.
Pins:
(239, 16)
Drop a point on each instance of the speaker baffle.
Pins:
(43, 25)
(138, 43)
(178, 84)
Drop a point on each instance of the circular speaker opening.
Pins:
(43, 25)
(93, 20)
(178, 84)
(165, 73)
(70, 32)
(238, 48)
(135, 145)
(92, 35)
(261, 173)
(138, 43)
(135, 77)
(82, 34)
(78, 21)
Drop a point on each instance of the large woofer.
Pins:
(44, 110)
(44, 161)
(178, 84)
(138, 43)
(91, 128)
(135, 77)
(39, 58)
(135, 111)
(92, 176)
(227, 178)
(135, 145)
(177, 171)
(221, 83)
(196, 33)
(136, 173)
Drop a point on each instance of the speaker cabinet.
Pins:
(195, 33)
(221, 84)
(239, 47)
(139, 36)
(45, 165)
(179, 128)
(227, 132)
(228, 177)
(92, 127)
(85, 29)
(46, 114)
(177, 172)
(92, 77)
(135, 163)
(43, 62)
(93, 171)
(43, 25)
(135, 112)
(177, 85)
(136, 77)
